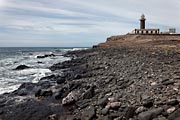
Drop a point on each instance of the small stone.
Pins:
(112, 99)
(145, 97)
(160, 118)
(109, 94)
(173, 102)
(177, 84)
(176, 89)
(46, 93)
(171, 110)
(89, 93)
(153, 83)
(103, 102)
(78, 76)
(168, 82)
(140, 109)
(103, 117)
(130, 112)
(119, 118)
(53, 117)
(105, 111)
(115, 115)
(115, 105)
(89, 113)
(148, 103)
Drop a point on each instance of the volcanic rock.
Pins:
(89, 113)
(70, 98)
(47, 55)
(103, 101)
(21, 67)
(149, 115)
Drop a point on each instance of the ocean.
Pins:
(10, 58)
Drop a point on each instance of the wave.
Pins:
(11, 79)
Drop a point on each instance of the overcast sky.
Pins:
(63, 23)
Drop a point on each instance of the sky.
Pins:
(79, 23)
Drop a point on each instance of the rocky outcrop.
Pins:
(21, 67)
(45, 56)
(147, 41)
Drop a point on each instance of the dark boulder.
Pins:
(74, 85)
(50, 77)
(130, 112)
(89, 113)
(1, 112)
(148, 103)
(151, 114)
(167, 82)
(103, 101)
(46, 93)
(83, 103)
(173, 102)
(44, 84)
(105, 111)
(25, 89)
(61, 93)
(22, 92)
(27, 85)
(40, 56)
(29, 110)
(43, 93)
(21, 67)
(78, 76)
(89, 93)
(38, 93)
(47, 55)
(60, 80)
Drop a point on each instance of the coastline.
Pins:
(103, 84)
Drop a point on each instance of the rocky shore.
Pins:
(102, 83)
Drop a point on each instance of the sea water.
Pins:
(10, 58)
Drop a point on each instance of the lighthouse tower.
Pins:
(142, 21)
(143, 29)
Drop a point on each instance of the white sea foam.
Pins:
(32, 71)
(74, 49)
(6, 89)
(11, 79)
(8, 85)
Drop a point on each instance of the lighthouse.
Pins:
(142, 21)
(143, 29)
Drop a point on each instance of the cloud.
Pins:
(58, 21)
